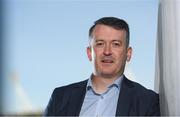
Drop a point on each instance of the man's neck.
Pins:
(100, 84)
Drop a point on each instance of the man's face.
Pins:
(108, 51)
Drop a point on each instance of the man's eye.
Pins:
(99, 44)
(116, 44)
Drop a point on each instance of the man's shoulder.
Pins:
(140, 89)
(142, 100)
(71, 86)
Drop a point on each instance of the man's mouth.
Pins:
(107, 61)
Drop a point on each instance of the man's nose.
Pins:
(107, 50)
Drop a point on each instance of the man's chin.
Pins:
(108, 75)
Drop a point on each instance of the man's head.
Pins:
(113, 22)
(109, 47)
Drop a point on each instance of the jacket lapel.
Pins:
(76, 99)
(125, 98)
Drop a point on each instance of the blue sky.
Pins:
(45, 43)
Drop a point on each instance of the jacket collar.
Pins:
(79, 91)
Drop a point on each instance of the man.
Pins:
(107, 92)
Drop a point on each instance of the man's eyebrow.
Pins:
(116, 41)
(97, 40)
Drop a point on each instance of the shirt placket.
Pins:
(99, 106)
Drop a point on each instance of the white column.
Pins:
(167, 78)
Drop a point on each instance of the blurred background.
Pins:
(44, 42)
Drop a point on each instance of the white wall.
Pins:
(167, 81)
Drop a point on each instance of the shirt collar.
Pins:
(116, 83)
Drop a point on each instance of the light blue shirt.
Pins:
(104, 104)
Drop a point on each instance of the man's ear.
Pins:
(88, 50)
(129, 54)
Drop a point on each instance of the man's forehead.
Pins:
(106, 34)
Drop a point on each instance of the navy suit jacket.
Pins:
(134, 100)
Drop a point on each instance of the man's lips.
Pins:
(107, 60)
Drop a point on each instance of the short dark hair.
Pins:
(116, 23)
